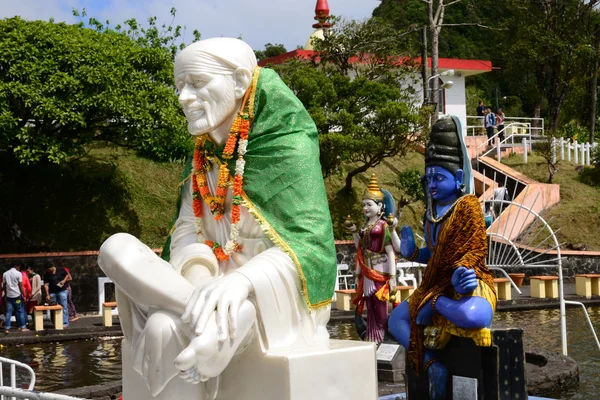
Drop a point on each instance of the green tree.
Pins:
(271, 50)
(63, 87)
(547, 41)
(359, 93)
(409, 182)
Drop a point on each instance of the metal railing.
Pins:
(533, 126)
(12, 392)
(528, 257)
(498, 146)
(13, 375)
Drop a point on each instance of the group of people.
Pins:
(22, 290)
(491, 120)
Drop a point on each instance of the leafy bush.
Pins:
(574, 131)
(63, 87)
(409, 182)
(591, 175)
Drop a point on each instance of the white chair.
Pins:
(402, 277)
(101, 295)
(342, 276)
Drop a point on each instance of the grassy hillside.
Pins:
(77, 206)
(342, 204)
(578, 213)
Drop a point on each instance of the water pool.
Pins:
(92, 362)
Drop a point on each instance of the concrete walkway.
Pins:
(86, 327)
(519, 302)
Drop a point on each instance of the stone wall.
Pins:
(85, 271)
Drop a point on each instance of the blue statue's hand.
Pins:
(464, 280)
(407, 243)
(425, 314)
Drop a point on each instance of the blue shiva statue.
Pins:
(456, 296)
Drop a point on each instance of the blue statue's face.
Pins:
(442, 185)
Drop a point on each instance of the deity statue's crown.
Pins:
(444, 147)
(373, 192)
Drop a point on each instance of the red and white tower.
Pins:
(322, 25)
(322, 15)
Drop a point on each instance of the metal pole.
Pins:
(594, 90)
(582, 153)
(498, 148)
(525, 150)
(424, 64)
(497, 106)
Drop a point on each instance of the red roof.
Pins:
(443, 63)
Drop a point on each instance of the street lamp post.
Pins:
(446, 85)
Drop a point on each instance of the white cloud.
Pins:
(258, 22)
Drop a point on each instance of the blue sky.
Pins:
(257, 21)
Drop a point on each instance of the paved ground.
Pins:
(86, 327)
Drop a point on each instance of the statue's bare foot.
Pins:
(206, 357)
(438, 375)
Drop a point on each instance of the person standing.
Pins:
(12, 290)
(26, 293)
(490, 123)
(72, 311)
(36, 289)
(480, 114)
(500, 124)
(54, 286)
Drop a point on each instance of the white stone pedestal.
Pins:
(347, 370)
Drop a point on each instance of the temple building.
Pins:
(452, 98)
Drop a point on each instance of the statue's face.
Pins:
(208, 100)
(371, 208)
(442, 185)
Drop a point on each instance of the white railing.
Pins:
(508, 142)
(502, 258)
(582, 152)
(531, 126)
(12, 392)
(13, 374)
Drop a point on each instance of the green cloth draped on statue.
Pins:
(283, 185)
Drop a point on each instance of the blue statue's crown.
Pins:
(444, 146)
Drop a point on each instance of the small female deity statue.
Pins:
(457, 295)
(375, 259)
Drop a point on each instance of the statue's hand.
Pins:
(393, 283)
(225, 295)
(425, 314)
(407, 243)
(464, 280)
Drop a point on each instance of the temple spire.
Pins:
(322, 15)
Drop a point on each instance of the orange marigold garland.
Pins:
(216, 203)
